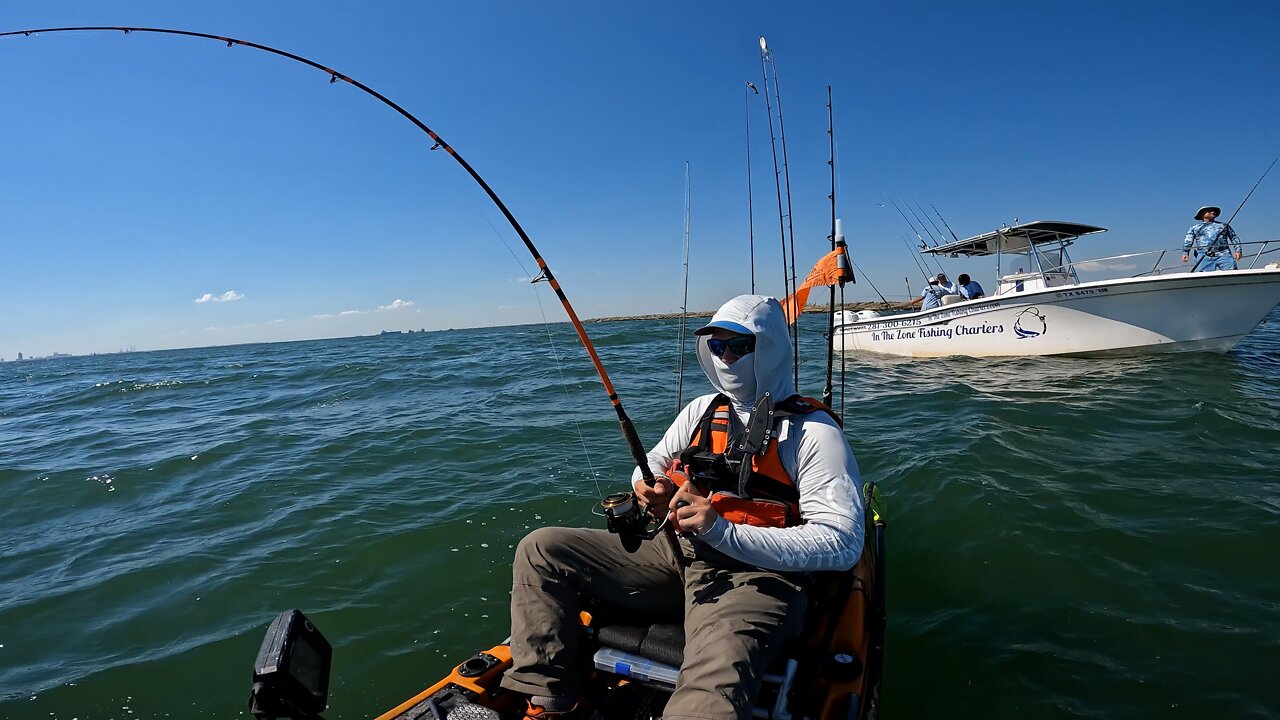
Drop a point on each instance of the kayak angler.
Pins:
(842, 645)
(764, 493)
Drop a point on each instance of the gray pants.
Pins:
(736, 617)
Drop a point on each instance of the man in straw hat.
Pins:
(1212, 241)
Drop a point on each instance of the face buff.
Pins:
(738, 380)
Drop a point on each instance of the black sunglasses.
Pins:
(741, 345)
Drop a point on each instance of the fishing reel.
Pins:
(624, 516)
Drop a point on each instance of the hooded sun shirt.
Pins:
(812, 448)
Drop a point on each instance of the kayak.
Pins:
(831, 672)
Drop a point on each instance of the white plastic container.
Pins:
(634, 666)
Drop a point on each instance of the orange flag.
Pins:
(833, 268)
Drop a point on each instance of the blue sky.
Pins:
(145, 173)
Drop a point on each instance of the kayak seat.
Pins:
(660, 642)
(663, 643)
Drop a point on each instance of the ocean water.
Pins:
(1066, 538)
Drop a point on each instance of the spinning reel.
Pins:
(625, 516)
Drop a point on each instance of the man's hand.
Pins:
(1184, 257)
(1237, 256)
(656, 498)
(693, 514)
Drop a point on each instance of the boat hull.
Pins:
(1174, 313)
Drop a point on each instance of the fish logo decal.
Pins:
(1029, 323)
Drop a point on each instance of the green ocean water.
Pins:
(1067, 538)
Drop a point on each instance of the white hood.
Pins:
(763, 316)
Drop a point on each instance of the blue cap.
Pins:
(724, 325)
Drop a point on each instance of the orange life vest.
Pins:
(760, 493)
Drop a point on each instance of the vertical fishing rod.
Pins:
(787, 229)
(751, 223)
(684, 304)
(944, 222)
(835, 237)
(634, 446)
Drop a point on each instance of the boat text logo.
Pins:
(1029, 323)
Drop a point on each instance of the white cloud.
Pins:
(321, 316)
(227, 296)
(396, 305)
(348, 312)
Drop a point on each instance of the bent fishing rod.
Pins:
(628, 428)
(1227, 224)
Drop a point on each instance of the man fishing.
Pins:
(1212, 241)
(931, 296)
(754, 524)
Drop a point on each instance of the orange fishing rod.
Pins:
(628, 429)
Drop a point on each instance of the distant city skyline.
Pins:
(164, 192)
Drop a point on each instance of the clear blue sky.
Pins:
(143, 173)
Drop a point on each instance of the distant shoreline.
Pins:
(708, 313)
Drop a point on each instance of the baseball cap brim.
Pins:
(723, 325)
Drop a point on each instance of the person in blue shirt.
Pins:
(1212, 241)
(930, 297)
(969, 288)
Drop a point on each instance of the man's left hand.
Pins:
(692, 512)
(1237, 256)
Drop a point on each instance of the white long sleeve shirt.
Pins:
(815, 453)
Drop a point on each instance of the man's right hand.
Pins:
(1184, 257)
(656, 498)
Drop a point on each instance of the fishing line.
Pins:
(684, 304)
(868, 279)
(555, 354)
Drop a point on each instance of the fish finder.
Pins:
(291, 674)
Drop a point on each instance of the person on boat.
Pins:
(969, 288)
(946, 285)
(744, 559)
(930, 297)
(1217, 244)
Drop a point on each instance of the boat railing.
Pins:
(1264, 247)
